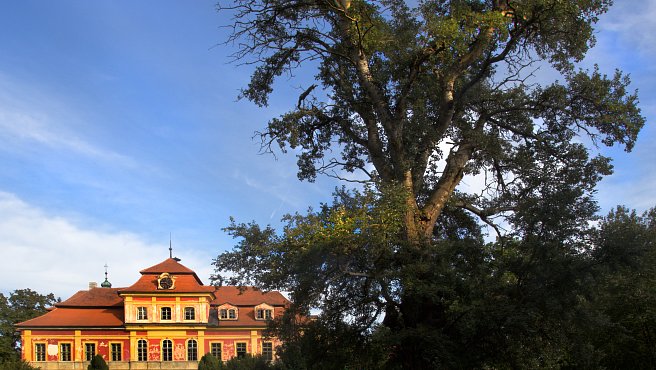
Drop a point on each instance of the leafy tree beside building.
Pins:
(415, 97)
(20, 305)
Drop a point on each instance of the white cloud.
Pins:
(634, 21)
(48, 253)
(35, 128)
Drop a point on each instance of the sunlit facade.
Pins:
(166, 320)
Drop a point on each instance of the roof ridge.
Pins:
(168, 265)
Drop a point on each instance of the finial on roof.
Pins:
(106, 283)
(171, 250)
(170, 247)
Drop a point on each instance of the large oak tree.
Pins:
(416, 96)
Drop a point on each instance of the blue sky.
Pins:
(119, 125)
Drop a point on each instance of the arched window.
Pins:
(142, 350)
(192, 350)
(189, 313)
(167, 350)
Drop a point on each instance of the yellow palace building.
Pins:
(166, 320)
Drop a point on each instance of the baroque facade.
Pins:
(166, 320)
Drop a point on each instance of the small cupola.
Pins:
(106, 283)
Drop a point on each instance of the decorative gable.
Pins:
(264, 312)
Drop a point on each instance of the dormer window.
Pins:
(228, 312)
(263, 312)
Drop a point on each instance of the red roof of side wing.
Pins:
(247, 296)
(94, 297)
(77, 317)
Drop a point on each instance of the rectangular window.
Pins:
(190, 313)
(142, 313)
(215, 350)
(40, 352)
(142, 350)
(166, 313)
(223, 314)
(65, 352)
(267, 351)
(89, 351)
(232, 314)
(117, 350)
(241, 350)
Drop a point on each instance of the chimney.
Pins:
(92, 284)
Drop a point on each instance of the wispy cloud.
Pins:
(29, 116)
(34, 128)
(280, 191)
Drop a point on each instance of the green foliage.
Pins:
(626, 290)
(416, 96)
(98, 363)
(356, 235)
(248, 362)
(209, 362)
(15, 364)
(452, 303)
(21, 305)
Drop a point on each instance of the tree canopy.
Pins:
(420, 94)
(21, 305)
(415, 96)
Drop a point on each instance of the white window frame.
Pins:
(142, 313)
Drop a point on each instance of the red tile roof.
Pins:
(250, 296)
(94, 297)
(77, 317)
(169, 265)
(173, 267)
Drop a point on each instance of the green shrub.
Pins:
(209, 362)
(16, 365)
(98, 363)
(248, 362)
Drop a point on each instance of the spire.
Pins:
(106, 283)
(171, 250)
